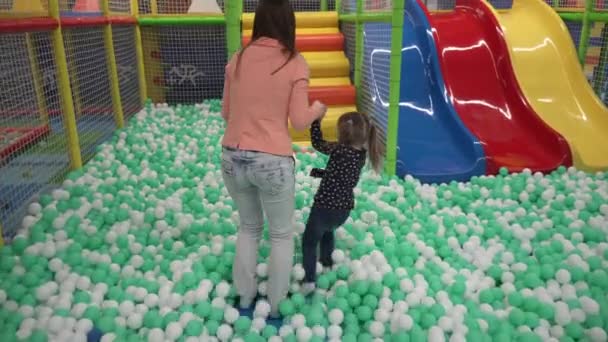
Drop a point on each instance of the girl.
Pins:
(357, 140)
(266, 84)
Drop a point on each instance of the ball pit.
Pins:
(138, 245)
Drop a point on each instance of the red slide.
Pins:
(482, 87)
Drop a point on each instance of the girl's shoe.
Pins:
(308, 288)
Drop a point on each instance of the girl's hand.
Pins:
(320, 109)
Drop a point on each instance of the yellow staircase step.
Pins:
(332, 67)
(328, 125)
(327, 64)
(303, 20)
(310, 55)
(329, 81)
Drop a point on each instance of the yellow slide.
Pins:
(549, 73)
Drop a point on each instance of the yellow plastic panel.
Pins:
(303, 19)
(547, 69)
(305, 31)
(329, 82)
(328, 125)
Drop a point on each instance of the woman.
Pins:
(266, 84)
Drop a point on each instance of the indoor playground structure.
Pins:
(489, 222)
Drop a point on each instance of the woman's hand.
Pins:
(320, 109)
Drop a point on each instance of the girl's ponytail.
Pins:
(375, 147)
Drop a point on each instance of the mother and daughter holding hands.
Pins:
(266, 86)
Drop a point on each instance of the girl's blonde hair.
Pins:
(357, 130)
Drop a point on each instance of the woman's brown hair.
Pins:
(274, 19)
(358, 131)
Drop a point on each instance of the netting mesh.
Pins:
(182, 6)
(440, 5)
(120, 6)
(23, 8)
(298, 5)
(575, 29)
(350, 6)
(374, 91)
(165, 6)
(501, 4)
(184, 64)
(33, 149)
(349, 32)
(90, 83)
(80, 5)
(126, 63)
(596, 62)
(569, 4)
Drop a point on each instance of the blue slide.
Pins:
(433, 144)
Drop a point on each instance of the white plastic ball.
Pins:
(26, 311)
(65, 335)
(156, 335)
(298, 272)
(262, 309)
(231, 315)
(222, 289)
(336, 316)
(376, 329)
(109, 337)
(578, 315)
(298, 321)
(436, 334)
(563, 276)
(381, 315)
(83, 283)
(405, 322)
(303, 334)
(218, 302)
(174, 330)
(84, 325)
(151, 300)
(134, 321)
(597, 334)
(556, 331)
(23, 334)
(285, 330)
(258, 323)
(126, 308)
(445, 323)
(56, 324)
(589, 305)
(224, 332)
(334, 332)
(185, 318)
(34, 208)
(69, 323)
(262, 270)
(337, 256)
